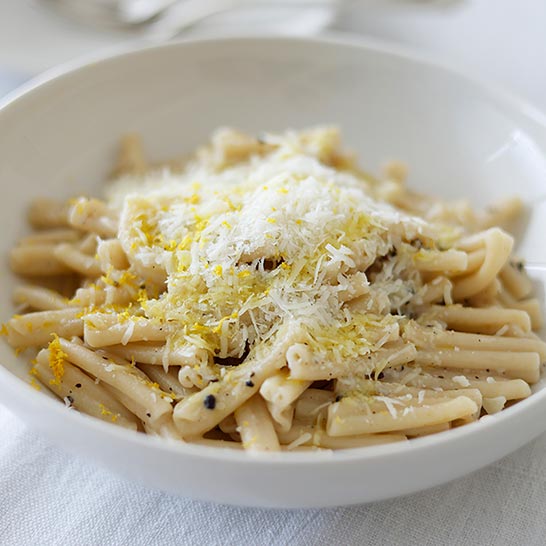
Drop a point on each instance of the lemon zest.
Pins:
(107, 413)
(56, 359)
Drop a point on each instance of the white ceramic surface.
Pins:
(460, 138)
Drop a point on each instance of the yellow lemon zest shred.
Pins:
(106, 412)
(57, 359)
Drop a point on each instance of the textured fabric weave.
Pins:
(50, 498)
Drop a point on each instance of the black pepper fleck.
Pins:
(210, 401)
(148, 414)
(78, 385)
(249, 383)
(519, 266)
(70, 399)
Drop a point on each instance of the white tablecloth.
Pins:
(50, 498)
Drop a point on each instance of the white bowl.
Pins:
(460, 138)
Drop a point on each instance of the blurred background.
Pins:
(503, 41)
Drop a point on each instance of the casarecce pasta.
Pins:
(267, 294)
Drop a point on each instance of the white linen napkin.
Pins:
(49, 498)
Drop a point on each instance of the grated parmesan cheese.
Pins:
(461, 380)
(250, 236)
(390, 403)
(128, 333)
(305, 437)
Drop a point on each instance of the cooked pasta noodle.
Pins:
(268, 295)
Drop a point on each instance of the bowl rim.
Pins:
(493, 423)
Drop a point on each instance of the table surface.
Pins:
(48, 497)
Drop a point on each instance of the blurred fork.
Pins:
(167, 18)
(137, 12)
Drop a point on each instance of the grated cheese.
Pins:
(264, 238)
(461, 380)
(128, 333)
(305, 437)
(390, 403)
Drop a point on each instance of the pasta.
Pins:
(266, 294)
